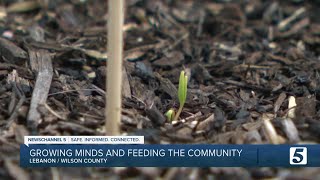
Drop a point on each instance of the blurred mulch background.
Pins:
(253, 67)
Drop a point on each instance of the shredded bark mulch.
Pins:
(253, 70)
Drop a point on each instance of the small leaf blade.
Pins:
(181, 88)
(185, 88)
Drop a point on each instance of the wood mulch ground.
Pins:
(253, 67)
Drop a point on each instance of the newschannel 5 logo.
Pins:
(298, 156)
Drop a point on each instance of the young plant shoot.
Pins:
(182, 92)
(114, 69)
(170, 114)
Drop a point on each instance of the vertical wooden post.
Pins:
(114, 69)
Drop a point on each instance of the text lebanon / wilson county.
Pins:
(67, 160)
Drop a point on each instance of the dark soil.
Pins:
(248, 61)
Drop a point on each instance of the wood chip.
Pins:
(12, 52)
(292, 107)
(155, 115)
(253, 137)
(291, 131)
(171, 60)
(167, 86)
(23, 6)
(279, 102)
(306, 107)
(283, 25)
(205, 124)
(270, 131)
(14, 106)
(94, 53)
(126, 89)
(40, 62)
(75, 128)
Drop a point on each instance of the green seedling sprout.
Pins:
(170, 114)
(182, 92)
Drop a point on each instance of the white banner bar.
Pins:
(83, 140)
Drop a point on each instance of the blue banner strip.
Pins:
(173, 155)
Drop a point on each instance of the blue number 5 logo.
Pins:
(298, 155)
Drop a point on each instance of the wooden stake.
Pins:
(114, 69)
